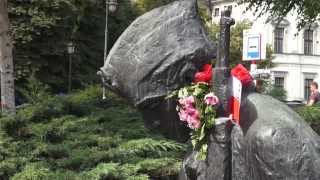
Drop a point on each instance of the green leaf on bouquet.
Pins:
(209, 109)
(202, 132)
(183, 93)
(194, 142)
(197, 91)
(210, 121)
(202, 154)
(171, 95)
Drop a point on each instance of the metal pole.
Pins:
(105, 46)
(70, 70)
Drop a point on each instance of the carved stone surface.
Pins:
(277, 143)
(158, 53)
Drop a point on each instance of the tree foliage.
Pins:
(236, 40)
(147, 5)
(41, 30)
(236, 43)
(308, 10)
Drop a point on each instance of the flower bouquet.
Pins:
(197, 108)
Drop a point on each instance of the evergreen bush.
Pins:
(312, 115)
(79, 136)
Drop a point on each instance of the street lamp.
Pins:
(70, 48)
(111, 5)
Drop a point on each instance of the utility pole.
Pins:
(6, 62)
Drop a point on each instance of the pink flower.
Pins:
(192, 112)
(211, 99)
(194, 124)
(183, 115)
(193, 118)
(188, 113)
(187, 101)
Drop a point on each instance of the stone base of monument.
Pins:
(161, 117)
(218, 161)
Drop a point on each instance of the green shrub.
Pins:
(115, 171)
(275, 92)
(87, 101)
(312, 115)
(103, 171)
(8, 168)
(160, 167)
(35, 91)
(64, 175)
(33, 171)
(45, 110)
(80, 136)
(12, 126)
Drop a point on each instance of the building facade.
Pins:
(297, 53)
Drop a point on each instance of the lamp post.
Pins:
(111, 6)
(70, 48)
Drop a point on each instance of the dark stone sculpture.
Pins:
(221, 73)
(271, 143)
(158, 53)
(218, 162)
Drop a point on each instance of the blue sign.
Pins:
(253, 51)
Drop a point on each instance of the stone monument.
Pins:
(160, 52)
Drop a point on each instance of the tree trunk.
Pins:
(6, 62)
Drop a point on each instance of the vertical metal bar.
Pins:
(70, 73)
(105, 46)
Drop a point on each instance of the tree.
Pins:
(236, 39)
(6, 62)
(308, 10)
(236, 44)
(41, 30)
(147, 5)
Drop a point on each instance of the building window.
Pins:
(279, 82)
(216, 12)
(307, 83)
(308, 42)
(279, 79)
(278, 40)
